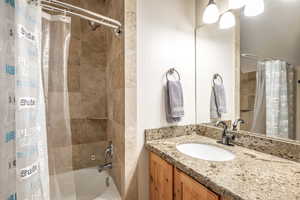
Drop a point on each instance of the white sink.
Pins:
(205, 152)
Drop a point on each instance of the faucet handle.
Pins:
(109, 152)
(222, 123)
(236, 123)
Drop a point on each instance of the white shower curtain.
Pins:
(274, 101)
(259, 114)
(279, 99)
(23, 148)
(56, 31)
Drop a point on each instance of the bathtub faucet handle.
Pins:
(109, 152)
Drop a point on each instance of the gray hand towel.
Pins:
(174, 101)
(217, 101)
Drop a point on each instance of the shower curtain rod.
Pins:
(256, 57)
(51, 8)
(54, 5)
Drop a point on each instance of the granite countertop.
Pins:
(252, 175)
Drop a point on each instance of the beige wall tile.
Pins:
(74, 78)
(93, 106)
(82, 154)
(60, 162)
(75, 105)
(74, 51)
(88, 131)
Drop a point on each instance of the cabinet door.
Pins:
(161, 179)
(186, 188)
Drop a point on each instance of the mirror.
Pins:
(259, 61)
(270, 70)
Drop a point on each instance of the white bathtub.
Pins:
(85, 184)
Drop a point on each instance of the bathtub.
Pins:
(84, 184)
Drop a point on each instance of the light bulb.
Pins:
(227, 20)
(211, 14)
(235, 4)
(254, 7)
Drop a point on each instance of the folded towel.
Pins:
(174, 101)
(217, 101)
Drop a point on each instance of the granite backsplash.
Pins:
(286, 149)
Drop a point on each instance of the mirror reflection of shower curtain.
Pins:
(23, 144)
(274, 102)
(259, 114)
(279, 99)
(55, 52)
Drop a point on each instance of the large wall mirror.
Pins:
(259, 61)
(270, 70)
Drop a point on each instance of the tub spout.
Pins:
(105, 167)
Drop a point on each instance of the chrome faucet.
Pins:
(108, 155)
(227, 137)
(105, 167)
(109, 152)
(236, 123)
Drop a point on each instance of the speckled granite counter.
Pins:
(251, 175)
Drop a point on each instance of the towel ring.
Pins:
(171, 72)
(217, 76)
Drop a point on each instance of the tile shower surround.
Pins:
(101, 83)
(89, 93)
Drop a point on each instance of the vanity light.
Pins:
(211, 13)
(227, 20)
(254, 7)
(235, 4)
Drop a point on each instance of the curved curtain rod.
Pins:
(63, 11)
(103, 19)
(256, 57)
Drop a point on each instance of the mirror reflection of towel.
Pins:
(217, 101)
(174, 101)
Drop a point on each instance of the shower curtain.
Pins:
(23, 145)
(279, 98)
(259, 114)
(274, 103)
(56, 31)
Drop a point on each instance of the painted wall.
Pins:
(275, 33)
(165, 39)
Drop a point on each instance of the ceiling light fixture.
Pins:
(211, 13)
(227, 20)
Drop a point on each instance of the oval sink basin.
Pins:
(205, 152)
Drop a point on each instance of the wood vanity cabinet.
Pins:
(186, 188)
(169, 183)
(161, 179)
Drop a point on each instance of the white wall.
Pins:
(215, 54)
(165, 39)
